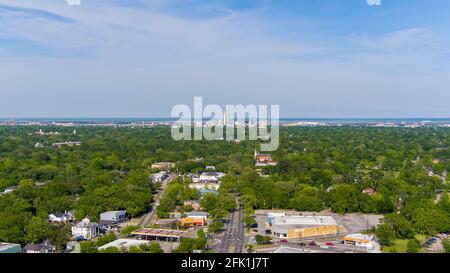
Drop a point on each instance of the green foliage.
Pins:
(413, 246)
(154, 247)
(110, 249)
(385, 235)
(105, 239)
(92, 246)
(216, 226)
(88, 247)
(37, 230)
(127, 230)
(446, 245)
(262, 240)
(319, 168)
(187, 245)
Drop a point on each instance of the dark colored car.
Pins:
(312, 243)
(283, 241)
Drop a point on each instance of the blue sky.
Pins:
(314, 58)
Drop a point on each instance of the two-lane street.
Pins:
(232, 240)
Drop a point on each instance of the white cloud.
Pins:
(134, 61)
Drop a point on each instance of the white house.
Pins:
(9, 189)
(159, 177)
(211, 176)
(85, 230)
(61, 217)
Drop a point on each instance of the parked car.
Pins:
(312, 243)
(329, 244)
(284, 241)
(268, 231)
(302, 244)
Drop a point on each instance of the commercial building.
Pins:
(158, 234)
(298, 227)
(272, 215)
(191, 222)
(359, 239)
(198, 215)
(9, 248)
(111, 218)
(163, 166)
(124, 244)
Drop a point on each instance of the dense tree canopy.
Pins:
(318, 168)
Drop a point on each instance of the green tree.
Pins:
(446, 245)
(262, 240)
(385, 235)
(154, 247)
(37, 230)
(413, 246)
(110, 249)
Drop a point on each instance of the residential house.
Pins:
(194, 204)
(61, 217)
(9, 190)
(85, 230)
(369, 191)
(263, 160)
(66, 143)
(159, 177)
(39, 248)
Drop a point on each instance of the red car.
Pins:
(329, 244)
(283, 241)
(312, 243)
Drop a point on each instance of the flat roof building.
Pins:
(157, 233)
(197, 215)
(124, 244)
(163, 166)
(10, 248)
(359, 239)
(110, 218)
(297, 227)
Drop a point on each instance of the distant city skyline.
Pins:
(316, 59)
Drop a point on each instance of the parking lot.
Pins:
(352, 222)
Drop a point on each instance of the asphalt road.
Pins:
(232, 240)
(150, 217)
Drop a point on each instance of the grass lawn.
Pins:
(401, 245)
